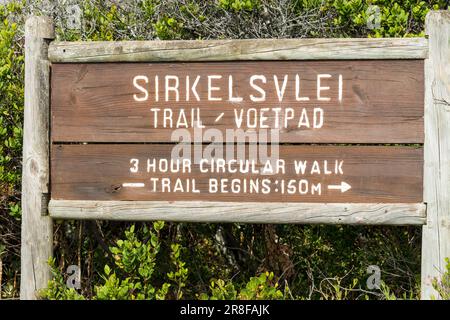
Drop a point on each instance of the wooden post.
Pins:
(37, 230)
(436, 233)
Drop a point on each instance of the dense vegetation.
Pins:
(179, 260)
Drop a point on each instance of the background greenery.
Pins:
(181, 260)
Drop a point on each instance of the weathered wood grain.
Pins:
(436, 234)
(232, 50)
(37, 231)
(375, 174)
(382, 101)
(245, 212)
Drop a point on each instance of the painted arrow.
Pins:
(133, 185)
(344, 186)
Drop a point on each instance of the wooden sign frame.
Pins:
(38, 210)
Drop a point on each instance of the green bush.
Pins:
(168, 28)
(134, 265)
(239, 5)
(132, 276)
(11, 109)
(57, 288)
(262, 287)
(402, 18)
(442, 285)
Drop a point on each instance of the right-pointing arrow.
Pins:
(344, 186)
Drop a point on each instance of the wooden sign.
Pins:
(300, 174)
(376, 101)
(328, 131)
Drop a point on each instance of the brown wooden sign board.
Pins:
(301, 101)
(375, 101)
(362, 129)
(301, 174)
(111, 104)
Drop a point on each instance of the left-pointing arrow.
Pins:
(133, 185)
(344, 186)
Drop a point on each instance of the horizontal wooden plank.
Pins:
(245, 212)
(339, 174)
(227, 50)
(303, 101)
